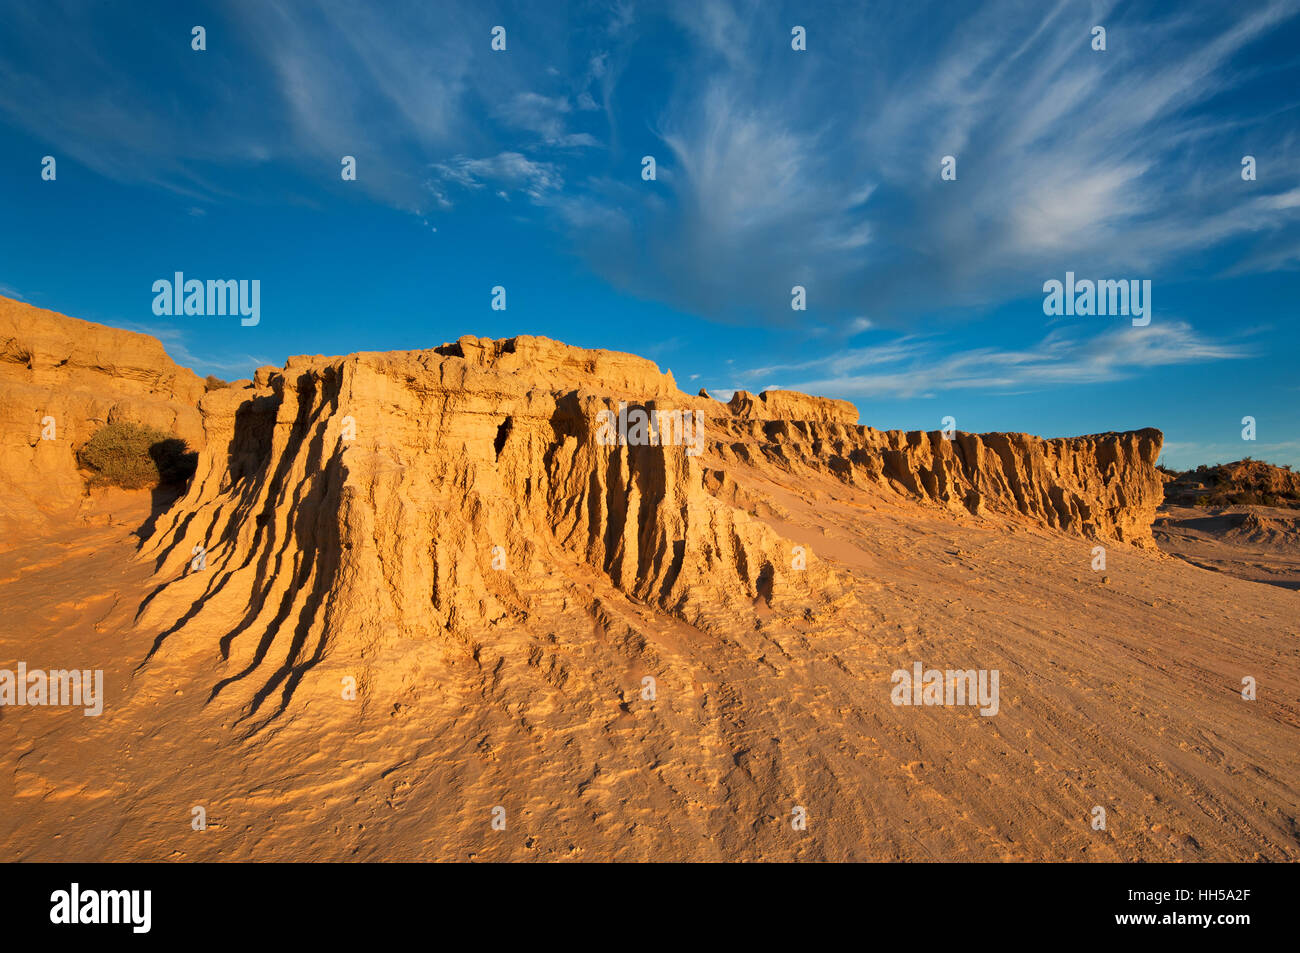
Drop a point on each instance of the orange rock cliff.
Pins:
(388, 495)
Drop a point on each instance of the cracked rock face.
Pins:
(439, 494)
(75, 377)
(404, 588)
(345, 505)
(1099, 487)
(434, 494)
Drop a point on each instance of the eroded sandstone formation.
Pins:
(435, 495)
(1101, 487)
(404, 495)
(60, 380)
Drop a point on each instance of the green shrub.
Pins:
(133, 456)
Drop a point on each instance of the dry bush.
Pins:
(133, 456)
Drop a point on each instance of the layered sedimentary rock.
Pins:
(439, 494)
(791, 405)
(1101, 487)
(60, 380)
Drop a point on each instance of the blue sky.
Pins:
(775, 168)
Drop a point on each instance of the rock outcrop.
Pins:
(440, 494)
(791, 405)
(60, 380)
(1103, 486)
(1241, 483)
(435, 494)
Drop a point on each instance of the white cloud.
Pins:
(816, 171)
(510, 169)
(913, 366)
(776, 168)
(173, 342)
(1185, 455)
(543, 115)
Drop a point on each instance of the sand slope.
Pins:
(1259, 543)
(770, 586)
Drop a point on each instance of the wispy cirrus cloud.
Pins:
(547, 116)
(775, 167)
(1185, 454)
(174, 342)
(917, 367)
(1066, 157)
(510, 170)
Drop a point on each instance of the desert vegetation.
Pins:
(133, 456)
(1245, 482)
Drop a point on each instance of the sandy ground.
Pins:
(1259, 543)
(1119, 689)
